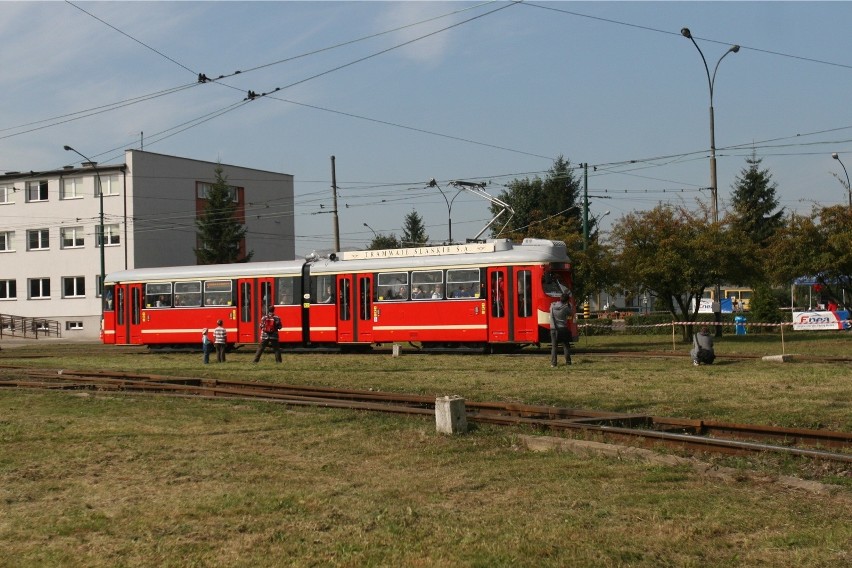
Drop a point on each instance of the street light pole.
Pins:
(848, 187)
(375, 235)
(433, 183)
(101, 218)
(711, 80)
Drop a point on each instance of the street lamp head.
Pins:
(734, 49)
(835, 156)
(67, 148)
(686, 33)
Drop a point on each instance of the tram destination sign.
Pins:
(437, 250)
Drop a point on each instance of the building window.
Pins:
(36, 191)
(8, 289)
(72, 188)
(39, 288)
(69, 325)
(6, 238)
(110, 185)
(72, 237)
(6, 192)
(38, 239)
(73, 286)
(110, 233)
(204, 188)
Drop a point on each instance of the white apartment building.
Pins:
(50, 242)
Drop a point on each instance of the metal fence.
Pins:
(30, 328)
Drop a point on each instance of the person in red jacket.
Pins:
(269, 326)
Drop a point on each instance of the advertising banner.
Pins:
(706, 306)
(821, 320)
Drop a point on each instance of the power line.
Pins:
(678, 34)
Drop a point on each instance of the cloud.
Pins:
(430, 50)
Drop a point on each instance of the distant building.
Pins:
(50, 255)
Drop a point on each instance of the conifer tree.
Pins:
(413, 231)
(756, 215)
(220, 233)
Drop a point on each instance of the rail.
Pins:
(698, 435)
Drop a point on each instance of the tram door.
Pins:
(247, 321)
(524, 315)
(498, 306)
(345, 309)
(128, 314)
(363, 295)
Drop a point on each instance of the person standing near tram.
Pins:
(269, 326)
(559, 332)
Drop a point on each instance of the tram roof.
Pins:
(499, 251)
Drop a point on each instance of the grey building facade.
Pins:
(50, 241)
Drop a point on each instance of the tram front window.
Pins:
(555, 283)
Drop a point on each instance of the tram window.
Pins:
(498, 294)
(427, 284)
(245, 302)
(555, 283)
(365, 309)
(218, 293)
(135, 307)
(345, 299)
(323, 289)
(158, 295)
(108, 298)
(287, 291)
(266, 299)
(120, 306)
(187, 293)
(525, 300)
(463, 283)
(392, 286)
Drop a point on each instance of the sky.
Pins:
(404, 92)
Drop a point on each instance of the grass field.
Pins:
(121, 480)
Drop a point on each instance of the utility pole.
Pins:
(585, 205)
(334, 195)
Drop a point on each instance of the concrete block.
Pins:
(395, 350)
(778, 358)
(450, 415)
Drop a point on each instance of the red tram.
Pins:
(493, 295)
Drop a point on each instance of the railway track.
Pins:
(635, 429)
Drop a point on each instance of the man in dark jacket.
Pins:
(702, 348)
(269, 326)
(559, 313)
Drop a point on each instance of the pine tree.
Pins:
(413, 231)
(220, 234)
(755, 203)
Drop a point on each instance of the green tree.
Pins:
(413, 231)
(535, 200)
(674, 254)
(764, 306)
(816, 245)
(756, 216)
(382, 242)
(221, 235)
